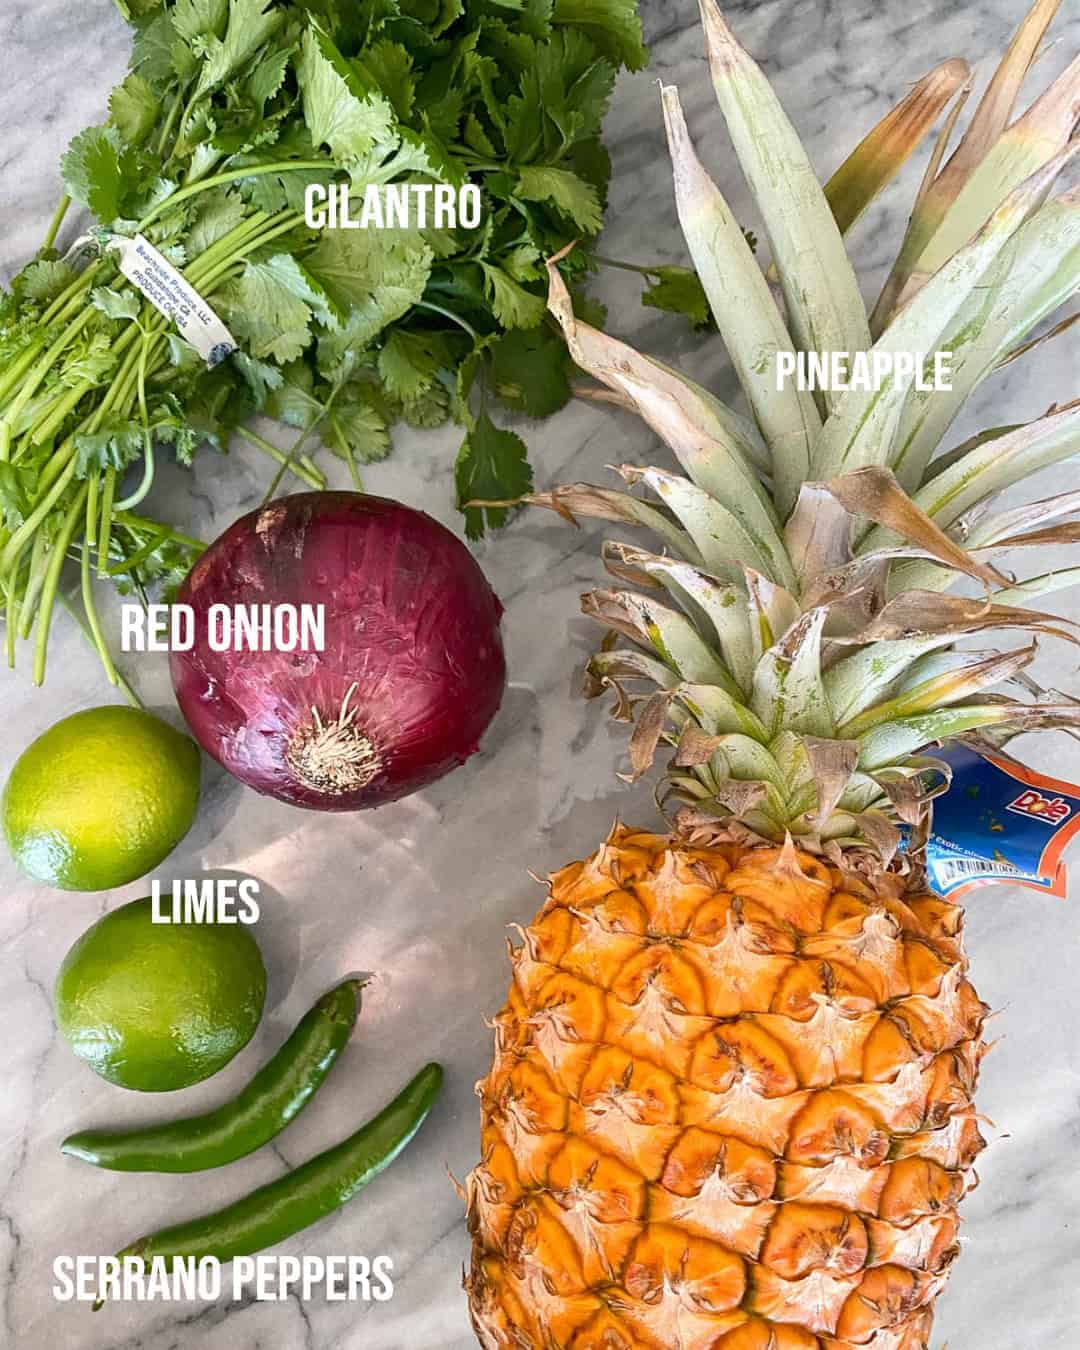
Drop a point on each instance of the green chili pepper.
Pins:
(306, 1194)
(278, 1093)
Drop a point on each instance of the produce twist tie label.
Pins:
(175, 297)
(1000, 821)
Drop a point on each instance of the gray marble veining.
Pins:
(421, 892)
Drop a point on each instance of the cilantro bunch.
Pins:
(230, 110)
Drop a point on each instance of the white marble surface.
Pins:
(421, 891)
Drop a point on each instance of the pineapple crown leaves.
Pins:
(794, 622)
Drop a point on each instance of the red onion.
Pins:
(412, 669)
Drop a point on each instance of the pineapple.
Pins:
(731, 1104)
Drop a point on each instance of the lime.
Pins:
(158, 1006)
(101, 798)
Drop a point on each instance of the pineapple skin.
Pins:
(730, 1107)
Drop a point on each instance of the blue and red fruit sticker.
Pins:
(1000, 821)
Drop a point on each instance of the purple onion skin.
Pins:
(410, 620)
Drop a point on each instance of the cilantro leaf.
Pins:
(271, 192)
(268, 77)
(182, 354)
(264, 311)
(448, 11)
(123, 304)
(411, 154)
(339, 113)
(90, 363)
(137, 9)
(471, 366)
(250, 24)
(134, 109)
(531, 21)
(152, 49)
(200, 18)
(566, 191)
(14, 499)
(429, 409)
(614, 25)
(294, 402)
(476, 138)
(42, 281)
(523, 129)
(679, 290)
(117, 443)
(261, 377)
(514, 306)
(492, 465)
(575, 86)
(529, 371)
(443, 119)
(98, 171)
(184, 438)
(407, 364)
(590, 160)
(512, 47)
(389, 66)
(368, 277)
(219, 212)
(523, 263)
(355, 430)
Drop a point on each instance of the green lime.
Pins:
(101, 798)
(158, 1006)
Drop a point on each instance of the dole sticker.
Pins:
(1051, 810)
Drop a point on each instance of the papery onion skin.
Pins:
(412, 648)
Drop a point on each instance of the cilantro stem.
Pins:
(169, 123)
(45, 429)
(143, 349)
(624, 266)
(54, 225)
(271, 228)
(148, 441)
(222, 247)
(195, 95)
(11, 620)
(31, 589)
(52, 581)
(147, 479)
(125, 382)
(71, 294)
(134, 522)
(21, 537)
(478, 165)
(120, 682)
(231, 176)
(289, 456)
(33, 380)
(97, 636)
(131, 562)
(449, 314)
(106, 521)
(52, 423)
(354, 472)
(312, 477)
(20, 366)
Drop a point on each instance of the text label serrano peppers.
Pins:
(275, 1096)
(306, 1194)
